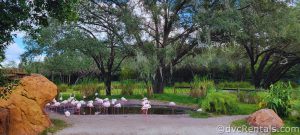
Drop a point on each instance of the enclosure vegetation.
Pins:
(226, 57)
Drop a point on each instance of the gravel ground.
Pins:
(142, 125)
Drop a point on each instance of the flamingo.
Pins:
(106, 104)
(172, 105)
(78, 106)
(118, 105)
(199, 110)
(145, 108)
(145, 102)
(90, 105)
(123, 99)
(67, 113)
(113, 101)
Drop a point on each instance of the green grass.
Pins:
(56, 126)
(245, 109)
(181, 99)
(194, 114)
(239, 123)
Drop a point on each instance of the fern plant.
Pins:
(279, 98)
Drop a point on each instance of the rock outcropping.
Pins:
(26, 105)
(266, 118)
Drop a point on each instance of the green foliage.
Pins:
(87, 87)
(246, 109)
(235, 85)
(56, 126)
(220, 102)
(239, 123)
(194, 114)
(279, 98)
(179, 99)
(7, 89)
(295, 110)
(182, 84)
(127, 87)
(200, 87)
(251, 97)
(62, 87)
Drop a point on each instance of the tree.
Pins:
(174, 28)
(269, 33)
(25, 15)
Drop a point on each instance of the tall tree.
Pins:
(174, 28)
(270, 35)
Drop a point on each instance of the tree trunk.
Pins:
(108, 84)
(158, 82)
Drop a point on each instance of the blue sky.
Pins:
(14, 50)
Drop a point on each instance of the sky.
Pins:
(14, 50)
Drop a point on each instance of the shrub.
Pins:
(182, 84)
(87, 89)
(235, 85)
(127, 87)
(251, 97)
(295, 111)
(220, 102)
(62, 87)
(279, 98)
(200, 87)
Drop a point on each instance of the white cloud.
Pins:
(12, 53)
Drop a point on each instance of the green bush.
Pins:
(127, 87)
(182, 84)
(62, 87)
(235, 85)
(295, 111)
(200, 87)
(220, 102)
(251, 97)
(279, 98)
(87, 89)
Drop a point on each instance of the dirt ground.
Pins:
(142, 125)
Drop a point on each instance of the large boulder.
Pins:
(26, 105)
(265, 118)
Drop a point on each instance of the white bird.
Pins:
(145, 102)
(60, 98)
(82, 102)
(84, 97)
(78, 106)
(73, 102)
(172, 104)
(67, 113)
(113, 101)
(96, 94)
(105, 99)
(145, 98)
(106, 104)
(64, 102)
(56, 104)
(199, 110)
(54, 100)
(146, 107)
(90, 104)
(118, 105)
(99, 101)
(123, 99)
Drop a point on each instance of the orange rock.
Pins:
(266, 118)
(26, 105)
